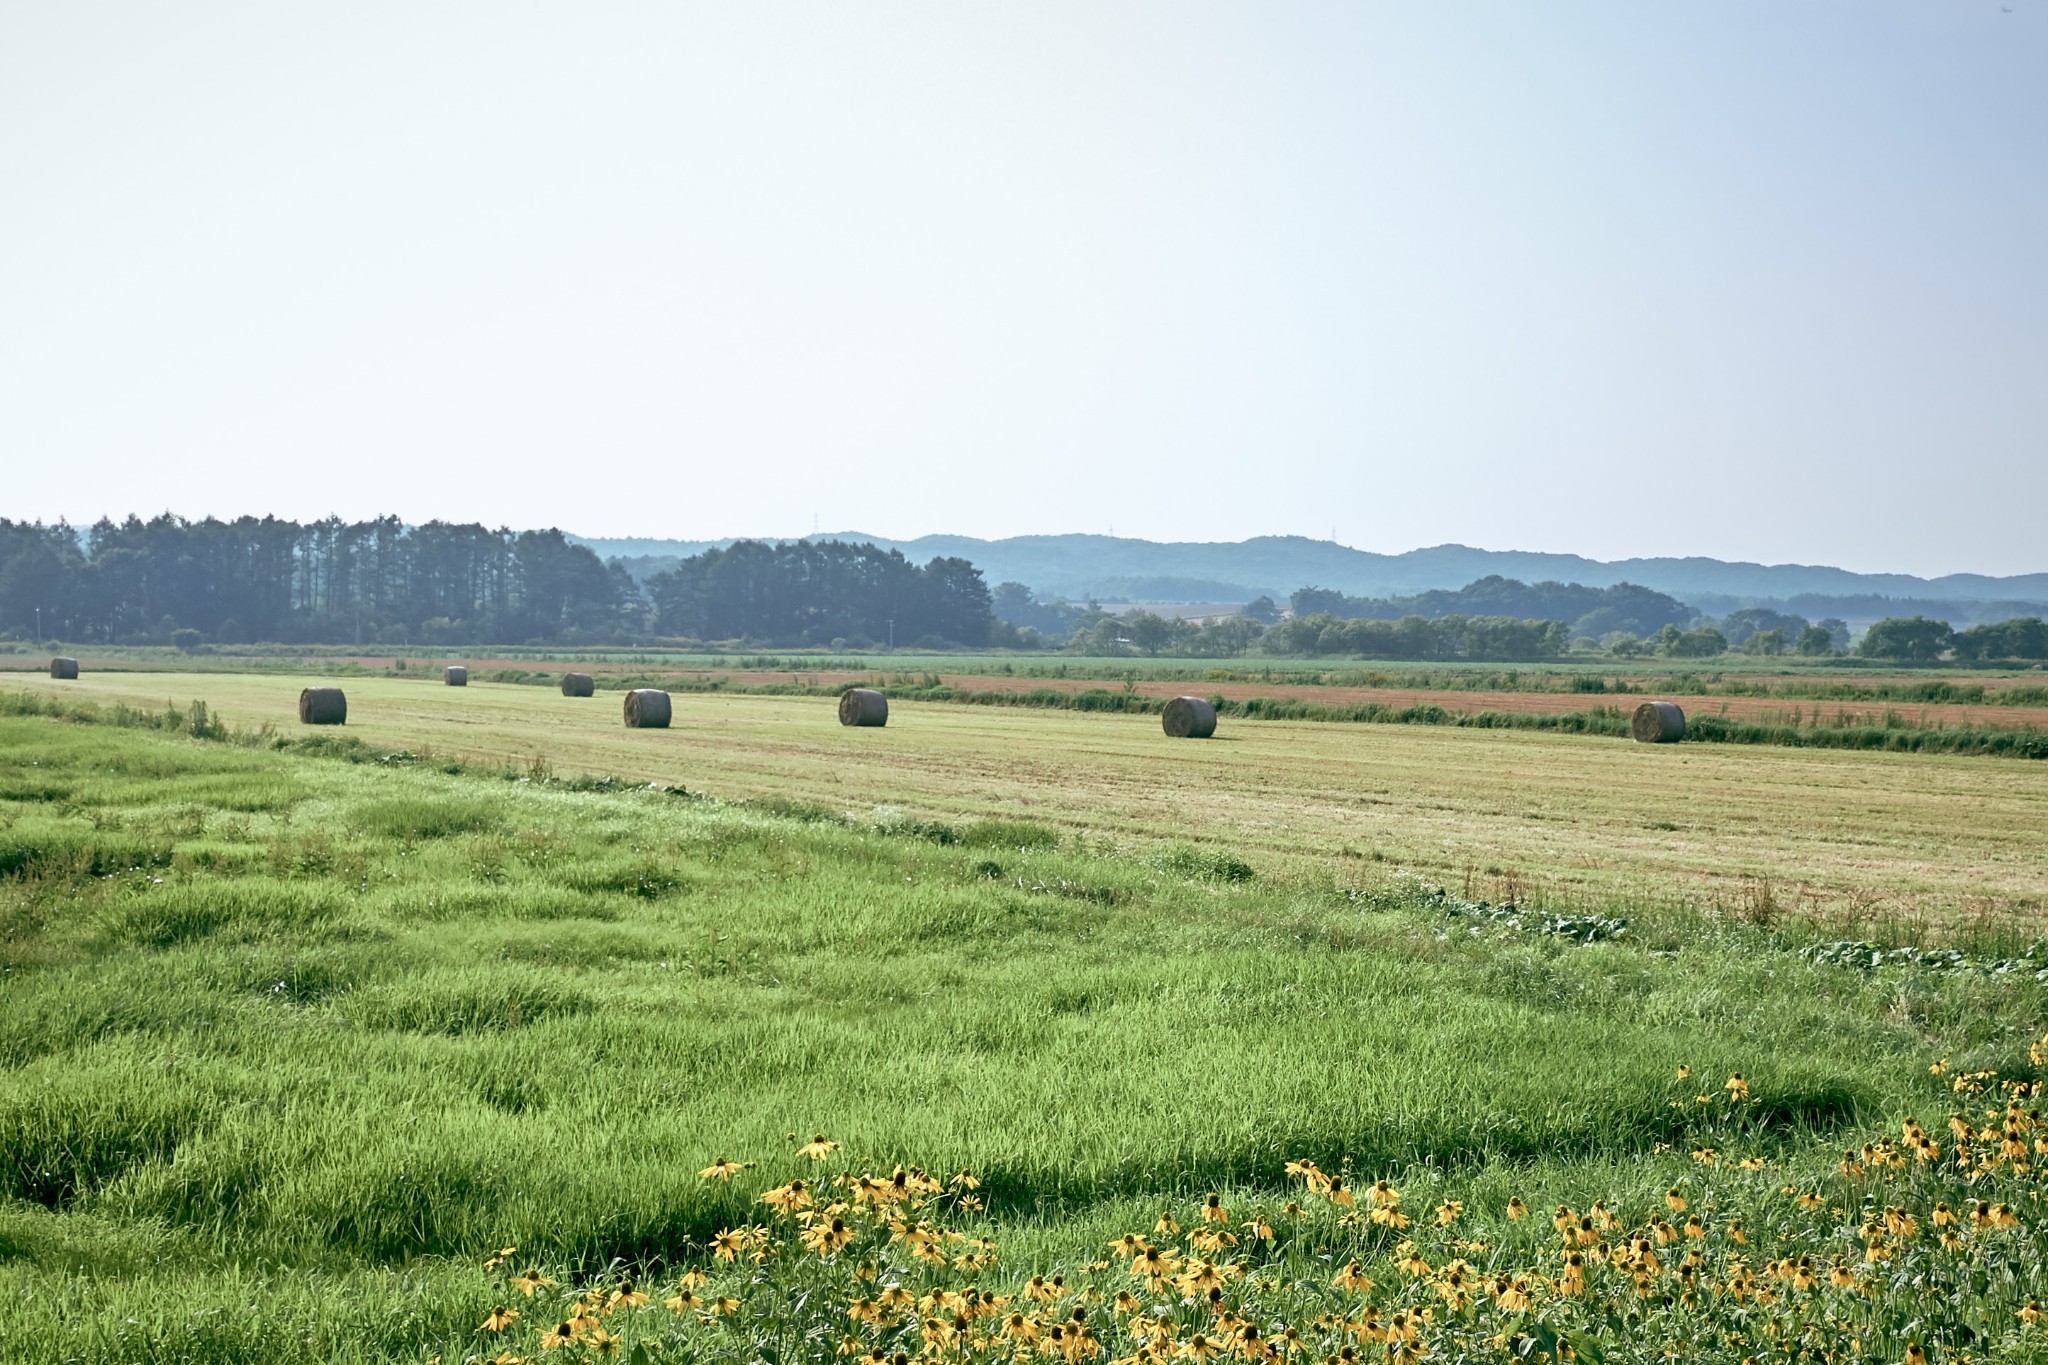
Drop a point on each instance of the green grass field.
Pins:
(296, 1032)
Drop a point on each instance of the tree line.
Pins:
(271, 579)
(1624, 608)
(1916, 639)
(829, 593)
(1363, 629)
(168, 580)
(173, 581)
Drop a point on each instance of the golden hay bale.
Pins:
(1657, 722)
(455, 675)
(863, 706)
(63, 668)
(1188, 718)
(647, 708)
(323, 706)
(578, 685)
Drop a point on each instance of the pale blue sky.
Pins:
(1760, 281)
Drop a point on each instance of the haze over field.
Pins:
(1763, 284)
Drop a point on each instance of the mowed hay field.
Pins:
(1893, 840)
(1770, 709)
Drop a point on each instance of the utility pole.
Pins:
(39, 627)
(892, 632)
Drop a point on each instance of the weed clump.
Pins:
(1203, 864)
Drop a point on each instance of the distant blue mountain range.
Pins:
(1078, 567)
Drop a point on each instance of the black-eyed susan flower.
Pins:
(722, 1169)
(795, 1195)
(818, 1148)
(499, 1320)
(1573, 1281)
(827, 1237)
(1153, 1265)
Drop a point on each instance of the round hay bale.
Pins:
(578, 685)
(1188, 718)
(647, 708)
(863, 706)
(455, 675)
(1657, 722)
(63, 668)
(323, 706)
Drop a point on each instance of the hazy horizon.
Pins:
(1760, 284)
